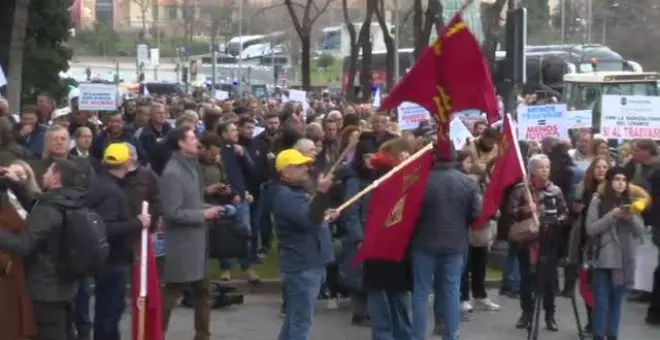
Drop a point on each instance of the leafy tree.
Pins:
(538, 21)
(45, 50)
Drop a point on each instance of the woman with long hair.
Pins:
(549, 205)
(611, 226)
(349, 139)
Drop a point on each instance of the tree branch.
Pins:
(320, 11)
(262, 10)
(294, 17)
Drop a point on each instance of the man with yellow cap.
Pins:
(305, 244)
(106, 197)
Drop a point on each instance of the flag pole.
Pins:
(142, 297)
(525, 179)
(383, 178)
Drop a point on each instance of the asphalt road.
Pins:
(258, 319)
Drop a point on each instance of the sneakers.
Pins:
(251, 276)
(486, 304)
(333, 303)
(466, 307)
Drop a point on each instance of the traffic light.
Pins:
(184, 74)
(193, 70)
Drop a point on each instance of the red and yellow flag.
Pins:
(508, 170)
(451, 75)
(392, 212)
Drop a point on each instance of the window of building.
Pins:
(172, 12)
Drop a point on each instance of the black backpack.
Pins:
(84, 246)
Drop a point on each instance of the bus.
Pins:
(547, 64)
(583, 91)
(242, 43)
(378, 67)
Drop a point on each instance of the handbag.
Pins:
(483, 237)
(228, 238)
(524, 231)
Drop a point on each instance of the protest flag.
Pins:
(393, 208)
(508, 170)
(146, 310)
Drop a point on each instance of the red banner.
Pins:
(392, 212)
(153, 326)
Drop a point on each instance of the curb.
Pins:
(274, 286)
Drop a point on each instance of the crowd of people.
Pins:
(269, 168)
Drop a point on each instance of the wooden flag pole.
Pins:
(142, 297)
(383, 178)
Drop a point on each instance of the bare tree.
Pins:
(188, 17)
(143, 6)
(423, 20)
(354, 51)
(16, 50)
(218, 17)
(492, 22)
(304, 15)
(366, 76)
(389, 42)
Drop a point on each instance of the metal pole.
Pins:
(589, 19)
(214, 70)
(158, 47)
(240, 48)
(563, 21)
(605, 28)
(397, 41)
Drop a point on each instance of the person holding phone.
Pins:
(611, 228)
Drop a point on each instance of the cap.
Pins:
(65, 111)
(116, 154)
(290, 157)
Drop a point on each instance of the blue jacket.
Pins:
(304, 243)
(238, 169)
(353, 220)
(103, 140)
(451, 203)
(34, 142)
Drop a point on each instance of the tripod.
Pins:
(545, 279)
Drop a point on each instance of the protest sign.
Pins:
(410, 115)
(459, 133)
(540, 121)
(630, 117)
(3, 78)
(97, 97)
(579, 119)
(301, 97)
(220, 95)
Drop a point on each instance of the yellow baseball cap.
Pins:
(116, 154)
(290, 157)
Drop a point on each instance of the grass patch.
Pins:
(331, 76)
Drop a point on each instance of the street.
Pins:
(258, 319)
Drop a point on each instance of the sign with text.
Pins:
(536, 122)
(630, 117)
(410, 115)
(97, 97)
(579, 119)
(459, 133)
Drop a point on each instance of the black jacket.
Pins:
(152, 142)
(122, 228)
(39, 243)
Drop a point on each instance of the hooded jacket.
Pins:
(39, 243)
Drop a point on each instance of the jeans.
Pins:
(301, 288)
(446, 270)
(608, 300)
(243, 216)
(390, 315)
(110, 297)
(255, 206)
(172, 291)
(53, 320)
(265, 222)
(474, 274)
(81, 318)
(511, 272)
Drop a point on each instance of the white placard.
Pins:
(257, 131)
(301, 97)
(459, 133)
(646, 260)
(537, 122)
(220, 95)
(376, 100)
(410, 115)
(3, 78)
(630, 117)
(142, 54)
(154, 57)
(579, 119)
(97, 97)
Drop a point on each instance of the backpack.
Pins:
(84, 246)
